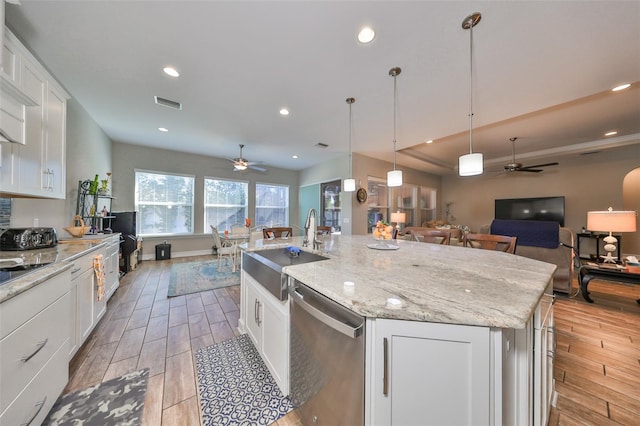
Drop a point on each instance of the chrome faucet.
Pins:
(311, 230)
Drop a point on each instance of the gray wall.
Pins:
(127, 158)
(588, 182)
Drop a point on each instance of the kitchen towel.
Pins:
(98, 267)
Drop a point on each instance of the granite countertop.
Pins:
(434, 283)
(60, 258)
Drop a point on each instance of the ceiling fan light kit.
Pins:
(240, 164)
(394, 177)
(471, 164)
(349, 185)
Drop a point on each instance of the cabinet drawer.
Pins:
(83, 263)
(18, 310)
(25, 351)
(33, 404)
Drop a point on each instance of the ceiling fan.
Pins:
(519, 167)
(241, 164)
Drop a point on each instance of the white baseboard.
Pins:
(152, 256)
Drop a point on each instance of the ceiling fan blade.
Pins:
(526, 169)
(541, 165)
(256, 168)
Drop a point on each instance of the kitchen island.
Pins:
(465, 340)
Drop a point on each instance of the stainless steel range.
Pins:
(27, 238)
(23, 250)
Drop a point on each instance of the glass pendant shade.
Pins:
(349, 185)
(470, 164)
(394, 178)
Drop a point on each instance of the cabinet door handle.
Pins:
(38, 349)
(73, 271)
(385, 363)
(259, 319)
(256, 305)
(39, 405)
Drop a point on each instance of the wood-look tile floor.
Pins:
(597, 361)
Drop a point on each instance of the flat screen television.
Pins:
(541, 208)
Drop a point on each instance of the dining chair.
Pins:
(225, 248)
(278, 232)
(491, 242)
(432, 236)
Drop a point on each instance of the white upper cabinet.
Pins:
(36, 166)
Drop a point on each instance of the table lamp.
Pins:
(398, 218)
(611, 221)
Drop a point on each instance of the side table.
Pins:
(598, 237)
(589, 272)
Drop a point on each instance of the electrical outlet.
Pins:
(36, 222)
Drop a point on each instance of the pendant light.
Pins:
(470, 164)
(350, 184)
(394, 177)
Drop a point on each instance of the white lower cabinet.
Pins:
(33, 350)
(88, 310)
(112, 262)
(428, 374)
(421, 373)
(266, 320)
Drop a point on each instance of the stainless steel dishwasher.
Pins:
(326, 359)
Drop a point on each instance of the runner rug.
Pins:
(117, 401)
(194, 277)
(236, 387)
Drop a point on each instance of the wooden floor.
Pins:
(597, 359)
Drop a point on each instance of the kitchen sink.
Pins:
(265, 266)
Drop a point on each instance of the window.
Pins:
(272, 205)
(164, 203)
(225, 203)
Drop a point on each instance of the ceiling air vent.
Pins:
(167, 102)
(322, 145)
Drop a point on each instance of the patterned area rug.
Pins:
(194, 277)
(115, 402)
(236, 387)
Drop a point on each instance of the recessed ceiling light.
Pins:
(611, 133)
(284, 111)
(621, 87)
(429, 141)
(163, 129)
(294, 157)
(366, 35)
(171, 71)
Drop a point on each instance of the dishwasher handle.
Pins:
(347, 330)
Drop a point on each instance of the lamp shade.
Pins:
(398, 217)
(611, 221)
(349, 185)
(470, 164)
(394, 178)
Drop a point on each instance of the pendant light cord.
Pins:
(350, 101)
(395, 109)
(471, 86)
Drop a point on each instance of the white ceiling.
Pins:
(542, 71)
